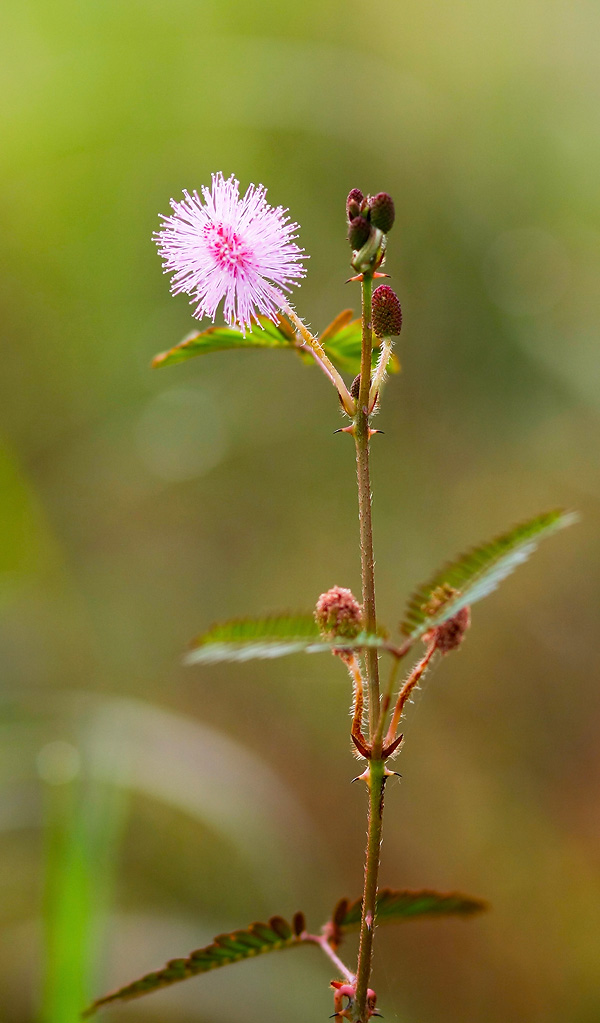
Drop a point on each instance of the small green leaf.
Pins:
(477, 573)
(394, 906)
(225, 949)
(264, 334)
(342, 341)
(243, 639)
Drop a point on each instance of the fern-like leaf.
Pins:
(264, 334)
(225, 949)
(477, 572)
(394, 906)
(275, 636)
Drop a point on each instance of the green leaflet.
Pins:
(394, 906)
(264, 334)
(477, 572)
(341, 340)
(243, 639)
(225, 949)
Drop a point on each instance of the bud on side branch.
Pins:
(338, 614)
(387, 312)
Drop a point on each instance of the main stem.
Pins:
(376, 778)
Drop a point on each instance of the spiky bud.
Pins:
(338, 614)
(358, 232)
(382, 211)
(387, 312)
(355, 198)
(355, 387)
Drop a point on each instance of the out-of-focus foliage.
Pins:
(139, 506)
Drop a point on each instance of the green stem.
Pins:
(361, 436)
(376, 785)
(376, 780)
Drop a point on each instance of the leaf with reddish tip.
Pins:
(475, 574)
(341, 320)
(394, 906)
(225, 949)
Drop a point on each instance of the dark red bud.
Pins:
(355, 197)
(358, 232)
(387, 312)
(382, 211)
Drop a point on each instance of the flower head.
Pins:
(223, 246)
(338, 613)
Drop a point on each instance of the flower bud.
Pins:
(358, 232)
(355, 387)
(338, 614)
(368, 258)
(450, 634)
(355, 197)
(382, 211)
(387, 312)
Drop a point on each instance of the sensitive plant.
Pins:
(240, 250)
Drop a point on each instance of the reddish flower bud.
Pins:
(387, 312)
(382, 210)
(450, 634)
(338, 614)
(358, 232)
(355, 198)
(355, 387)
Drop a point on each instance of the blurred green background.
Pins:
(146, 807)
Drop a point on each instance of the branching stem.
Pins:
(413, 680)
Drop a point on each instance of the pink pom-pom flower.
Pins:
(223, 246)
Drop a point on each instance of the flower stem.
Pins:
(376, 777)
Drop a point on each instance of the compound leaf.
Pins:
(264, 334)
(394, 906)
(477, 572)
(225, 949)
(243, 639)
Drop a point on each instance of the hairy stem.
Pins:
(361, 436)
(376, 778)
(321, 358)
(376, 785)
(413, 680)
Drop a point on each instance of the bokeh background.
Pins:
(145, 806)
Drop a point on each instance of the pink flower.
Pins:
(221, 246)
